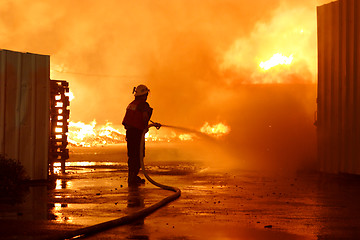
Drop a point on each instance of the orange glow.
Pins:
(216, 130)
(245, 64)
(153, 137)
(275, 60)
(88, 135)
(59, 104)
(81, 134)
(185, 137)
(70, 95)
(57, 169)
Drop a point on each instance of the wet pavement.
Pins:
(215, 204)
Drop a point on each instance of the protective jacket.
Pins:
(134, 117)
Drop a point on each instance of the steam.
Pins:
(197, 59)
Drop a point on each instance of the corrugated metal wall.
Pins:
(24, 110)
(338, 117)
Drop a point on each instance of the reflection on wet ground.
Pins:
(214, 204)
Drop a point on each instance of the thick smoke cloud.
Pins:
(199, 58)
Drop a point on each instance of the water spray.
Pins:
(203, 135)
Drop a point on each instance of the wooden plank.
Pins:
(2, 101)
(42, 74)
(11, 128)
(27, 114)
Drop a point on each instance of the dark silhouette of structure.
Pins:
(30, 124)
(338, 111)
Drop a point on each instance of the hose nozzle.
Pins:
(155, 124)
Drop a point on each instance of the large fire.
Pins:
(245, 63)
(216, 130)
(88, 135)
(275, 60)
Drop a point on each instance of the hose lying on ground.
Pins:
(86, 231)
(174, 189)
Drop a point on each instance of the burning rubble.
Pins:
(87, 135)
(216, 130)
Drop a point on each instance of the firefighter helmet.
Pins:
(140, 90)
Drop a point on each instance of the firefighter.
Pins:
(136, 121)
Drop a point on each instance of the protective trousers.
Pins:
(133, 139)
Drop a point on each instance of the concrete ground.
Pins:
(215, 204)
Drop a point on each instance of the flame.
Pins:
(185, 137)
(70, 95)
(216, 130)
(108, 130)
(88, 135)
(275, 60)
(277, 51)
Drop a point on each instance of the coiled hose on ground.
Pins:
(87, 231)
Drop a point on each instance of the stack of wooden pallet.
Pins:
(59, 117)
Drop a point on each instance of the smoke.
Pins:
(199, 58)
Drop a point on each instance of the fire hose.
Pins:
(87, 231)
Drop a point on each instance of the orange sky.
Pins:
(197, 57)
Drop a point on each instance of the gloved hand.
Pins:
(155, 124)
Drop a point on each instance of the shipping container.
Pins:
(338, 99)
(24, 110)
